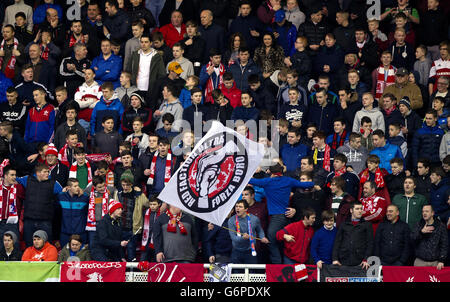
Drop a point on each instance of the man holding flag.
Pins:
(245, 228)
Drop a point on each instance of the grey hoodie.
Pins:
(186, 65)
(375, 115)
(13, 9)
(176, 109)
(355, 157)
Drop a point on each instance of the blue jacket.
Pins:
(74, 213)
(386, 153)
(292, 155)
(240, 75)
(115, 109)
(287, 37)
(426, 143)
(278, 190)
(217, 241)
(322, 245)
(439, 197)
(185, 97)
(107, 70)
(5, 83)
(245, 114)
(40, 124)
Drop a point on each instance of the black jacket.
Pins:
(118, 26)
(140, 12)
(218, 113)
(305, 198)
(369, 53)
(187, 9)
(263, 99)
(16, 254)
(314, 33)
(353, 244)
(39, 200)
(392, 242)
(433, 246)
(302, 63)
(108, 236)
(17, 114)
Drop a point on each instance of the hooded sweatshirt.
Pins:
(176, 109)
(375, 116)
(356, 157)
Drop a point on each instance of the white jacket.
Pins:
(88, 96)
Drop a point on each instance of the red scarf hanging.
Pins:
(146, 230)
(73, 171)
(4, 163)
(10, 199)
(379, 179)
(389, 111)
(381, 83)
(91, 222)
(326, 157)
(338, 142)
(62, 156)
(167, 172)
(210, 85)
(45, 51)
(11, 64)
(338, 173)
(173, 222)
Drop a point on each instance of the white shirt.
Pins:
(143, 75)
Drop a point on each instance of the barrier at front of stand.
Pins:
(92, 271)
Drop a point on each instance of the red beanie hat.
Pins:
(51, 150)
(114, 205)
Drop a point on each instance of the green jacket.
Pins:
(84, 254)
(410, 209)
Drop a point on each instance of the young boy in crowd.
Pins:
(395, 180)
(366, 131)
(139, 140)
(108, 140)
(66, 153)
(151, 214)
(323, 239)
(81, 168)
(340, 135)
(230, 91)
(307, 139)
(397, 138)
(104, 171)
(422, 65)
(167, 131)
(297, 237)
(185, 95)
(283, 129)
(373, 172)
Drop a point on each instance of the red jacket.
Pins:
(375, 210)
(171, 35)
(233, 94)
(298, 250)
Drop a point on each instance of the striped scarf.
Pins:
(146, 231)
(167, 172)
(73, 171)
(91, 222)
(210, 84)
(11, 200)
(326, 158)
(381, 82)
(10, 66)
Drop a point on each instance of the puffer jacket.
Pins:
(433, 246)
(426, 143)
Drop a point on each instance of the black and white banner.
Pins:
(210, 181)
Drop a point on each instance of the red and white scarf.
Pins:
(210, 84)
(11, 200)
(167, 172)
(91, 222)
(146, 230)
(326, 158)
(10, 67)
(4, 163)
(381, 82)
(62, 156)
(379, 179)
(173, 222)
(73, 171)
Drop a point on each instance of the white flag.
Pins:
(210, 181)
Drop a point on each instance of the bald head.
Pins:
(34, 52)
(206, 17)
